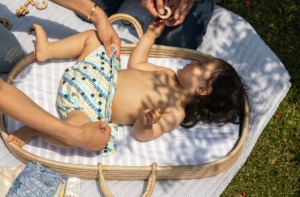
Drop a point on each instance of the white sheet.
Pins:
(202, 144)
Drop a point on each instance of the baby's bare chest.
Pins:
(137, 91)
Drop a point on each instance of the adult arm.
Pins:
(105, 31)
(17, 105)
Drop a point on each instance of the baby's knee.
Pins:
(93, 38)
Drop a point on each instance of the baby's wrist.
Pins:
(149, 35)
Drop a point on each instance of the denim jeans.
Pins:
(187, 35)
(35, 180)
(190, 33)
(10, 50)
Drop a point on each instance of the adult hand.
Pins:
(94, 136)
(154, 6)
(106, 32)
(180, 9)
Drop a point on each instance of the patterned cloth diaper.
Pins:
(90, 86)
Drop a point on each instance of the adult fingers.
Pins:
(149, 5)
(172, 11)
(117, 42)
(152, 11)
(101, 122)
(107, 128)
(107, 133)
(183, 5)
(186, 11)
(170, 4)
(108, 48)
(160, 6)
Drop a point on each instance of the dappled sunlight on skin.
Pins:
(169, 96)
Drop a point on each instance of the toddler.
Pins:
(152, 98)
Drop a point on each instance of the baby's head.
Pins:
(219, 94)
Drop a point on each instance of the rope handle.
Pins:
(149, 189)
(127, 17)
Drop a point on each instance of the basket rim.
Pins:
(132, 172)
(19, 152)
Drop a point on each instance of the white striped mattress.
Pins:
(201, 144)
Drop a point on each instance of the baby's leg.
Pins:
(23, 135)
(72, 46)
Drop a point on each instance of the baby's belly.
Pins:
(124, 111)
(135, 92)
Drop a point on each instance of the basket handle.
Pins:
(136, 24)
(149, 189)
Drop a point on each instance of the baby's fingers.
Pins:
(149, 118)
(144, 119)
(155, 116)
(157, 113)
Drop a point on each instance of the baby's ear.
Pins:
(204, 90)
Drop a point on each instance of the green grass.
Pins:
(273, 167)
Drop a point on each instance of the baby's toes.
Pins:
(15, 141)
(9, 138)
(36, 27)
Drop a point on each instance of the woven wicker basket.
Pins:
(132, 172)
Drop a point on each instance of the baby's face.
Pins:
(196, 74)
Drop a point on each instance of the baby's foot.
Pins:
(42, 45)
(21, 136)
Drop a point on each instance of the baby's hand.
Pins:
(156, 28)
(150, 116)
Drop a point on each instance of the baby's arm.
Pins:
(149, 125)
(139, 57)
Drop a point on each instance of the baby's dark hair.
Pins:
(225, 103)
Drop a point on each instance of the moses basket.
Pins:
(106, 172)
